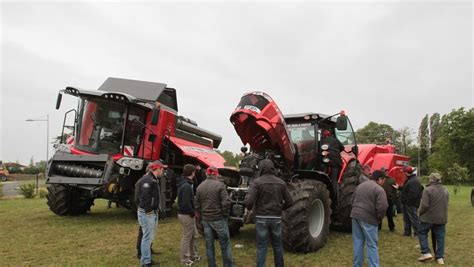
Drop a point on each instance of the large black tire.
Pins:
(342, 218)
(306, 223)
(64, 200)
(3, 178)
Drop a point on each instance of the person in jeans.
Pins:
(213, 207)
(147, 198)
(270, 196)
(369, 204)
(186, 214)
(410, 198)
(433, 216)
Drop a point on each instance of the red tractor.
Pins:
(293, 143)
(118, 129)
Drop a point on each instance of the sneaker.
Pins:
(425, 257)
(197, 258)
(187, 262)
(440, 261)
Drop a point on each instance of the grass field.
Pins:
(31, 235)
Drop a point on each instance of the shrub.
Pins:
(27, 190)
(43, 193)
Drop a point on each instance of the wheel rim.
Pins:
(316, 218)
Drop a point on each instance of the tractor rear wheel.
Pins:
(342, 218)
(64, 200)
(306, 223)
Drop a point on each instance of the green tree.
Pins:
(375, 133)
(231, 159)
(434, 129)
(457, 172)
(405, 140)
(423, 143)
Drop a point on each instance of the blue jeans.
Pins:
(410, 219)
(221, 228)
(148, 222)
(265, 227)
(439, 231)
(365, 233)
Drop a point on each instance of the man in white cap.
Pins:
(433, 216)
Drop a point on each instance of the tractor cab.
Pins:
(306, 133)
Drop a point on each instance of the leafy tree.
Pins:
(457, 172)
(423, 142)
(455, 142)
(434, 129)
(405, 140)
(231, 159)
(375, 133)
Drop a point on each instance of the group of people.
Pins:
(210, 204)
(424, 210)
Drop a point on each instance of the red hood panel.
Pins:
(259, 122)
(205, 155)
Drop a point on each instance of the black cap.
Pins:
(378, 174)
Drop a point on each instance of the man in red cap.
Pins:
(147, 198)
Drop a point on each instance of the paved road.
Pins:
(10, 187)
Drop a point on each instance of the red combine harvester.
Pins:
(118, 129)
(293, 143)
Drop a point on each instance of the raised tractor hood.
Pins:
(259, 122)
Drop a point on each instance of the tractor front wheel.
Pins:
(65, 200)
(306, 223)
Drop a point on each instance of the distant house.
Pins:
(14, 165)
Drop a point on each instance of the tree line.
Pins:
(443, 143)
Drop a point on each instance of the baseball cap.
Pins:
(408, 169)
(378, 174)
(212, 171)
(157, 164)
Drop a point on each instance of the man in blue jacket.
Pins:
(186, 215)
(147, 198)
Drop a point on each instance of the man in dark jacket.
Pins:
(433, 216)
(186, 215)
(147, 198)
(213, 207)
(369, 204)
(335, 147)
(410, 198)
(391, 192)
(270, 196)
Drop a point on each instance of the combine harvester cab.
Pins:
(118, 129)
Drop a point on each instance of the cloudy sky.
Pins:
(389, 62)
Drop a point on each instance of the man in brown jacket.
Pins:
(213, 207)
(369, 204)
(433, 216)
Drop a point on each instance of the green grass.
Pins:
(31, 235)
(1, 190)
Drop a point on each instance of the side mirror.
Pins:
(155, 116)
(58, 100)
(341, 123)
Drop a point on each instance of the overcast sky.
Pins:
(388, 62)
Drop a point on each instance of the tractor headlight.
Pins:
(325, 147)
(132, 163)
